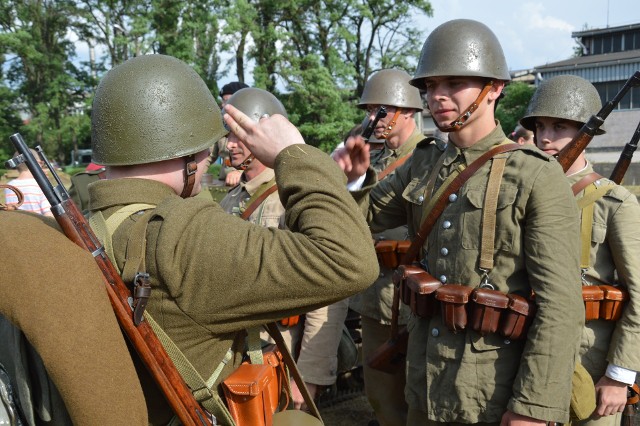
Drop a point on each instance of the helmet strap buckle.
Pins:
(190, 169)
(459, 122)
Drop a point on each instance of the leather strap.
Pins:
(584, 182)
(18, 194)
(190, 169)
(399, 162)
(487, 242)
(257, 201)
(457, 124)
(275, 334)
(391, 124)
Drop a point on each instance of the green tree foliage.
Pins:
(514, 105)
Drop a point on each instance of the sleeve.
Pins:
(542, 387)
(623, 237)
(318, 359)
(265, 274)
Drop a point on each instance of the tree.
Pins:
(514, 105)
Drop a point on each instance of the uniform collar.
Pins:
(588, 169)
(408, 146)
(104, 194)
(252, 186)
(472, 153)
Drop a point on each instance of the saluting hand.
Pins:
(353, 158)
(265, 139)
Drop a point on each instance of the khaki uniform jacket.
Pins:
(205, 300)
(376, 301)
(614, 259)
(270, 213)
(466, 377)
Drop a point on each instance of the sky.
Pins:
(534, 33)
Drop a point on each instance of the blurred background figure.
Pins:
(522, 136)
(34, 199)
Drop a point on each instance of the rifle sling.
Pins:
(584, 182)
(399, 162)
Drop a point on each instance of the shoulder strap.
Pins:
(584, 182)
(438, 202)
(489, 213)
(399, 162)
(259, 198)
(586, 203)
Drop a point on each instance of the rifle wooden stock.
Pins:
(570, 153)
(142, 337)
(625, 157)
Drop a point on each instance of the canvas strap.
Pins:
(258, 198)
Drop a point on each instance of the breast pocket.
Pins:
(506, 222)
(415, 194)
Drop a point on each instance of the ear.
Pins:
(496, 89)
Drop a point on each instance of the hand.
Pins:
(512, 419)
(611, 396)
(265, 139)
(298, 400)
(233, 177)
(353, 158)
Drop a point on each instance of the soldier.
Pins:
(522, 136)
(610, 242)
(155, 156)
(228, 174)
(465, 376)
(318, 334)
(400, 135)
(78, 190)
(34, 199)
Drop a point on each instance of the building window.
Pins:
(617, 43)
(608, 90)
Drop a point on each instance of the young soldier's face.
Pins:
(448, 97)
(553, 134)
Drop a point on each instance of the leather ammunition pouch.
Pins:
(419, 294)
(612, 302)
(486, 309)
(386, 252)
(290, 321)
(453, 305)
(517, 318)
(592, 296)
(253, 391)
(399, 279)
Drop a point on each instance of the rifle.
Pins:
(631, 407)
(568, 155)
(625, 157)
(368, 126)
(142, 337)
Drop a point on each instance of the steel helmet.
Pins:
(461, 47)
(152, 108)
(391, 87)
(568, 97)
(256, 102)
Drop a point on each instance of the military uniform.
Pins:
(78, 190)
(203, 302)
(385, 392)
(465, 377)
(219, 150)
(615, 246)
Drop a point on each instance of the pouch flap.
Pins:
(520, 305)
(488, 297)
(403, 246)
(249, 379)
(404, 271)
(591, 293)
(614, 293)
(386, 246)
(453, 293)
(423, 283)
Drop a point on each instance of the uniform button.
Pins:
(446, 224)
(435, 332)
(421, 198)
(507, 341)
(453, 198)
(444, 251)
(443, 279)
(381, 274)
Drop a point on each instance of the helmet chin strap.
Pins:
(243, 166)
(190, 168)
(391, 124)
(459, 122)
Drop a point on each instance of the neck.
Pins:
(254, 169)
(168, 172)
(577, 165)
(403, 133)
(25, 174)
(474, 131)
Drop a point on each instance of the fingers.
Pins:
(238, 122)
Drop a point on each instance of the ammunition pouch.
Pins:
(290, 321)
(418, 293)
(453, 305)
(613, 299)
(592, 295)
(390, 252)
(517, 317)
(486, 309)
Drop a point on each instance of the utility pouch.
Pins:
(399, 280)
(290, 321)
(248, 395)
(421, 287)
(278, 395)
(516, 319)
(402, 249)
(592, 296)
(386, 251)
(453, 305)
(486, 309)
(612, 302)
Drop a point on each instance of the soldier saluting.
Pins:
(518, 240)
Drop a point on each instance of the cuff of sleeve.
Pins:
(549, 414)
(620, 374)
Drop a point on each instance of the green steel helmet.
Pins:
(391, 87)
(461, 47)
(152, 108)
(567, 97)
(256, 102)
